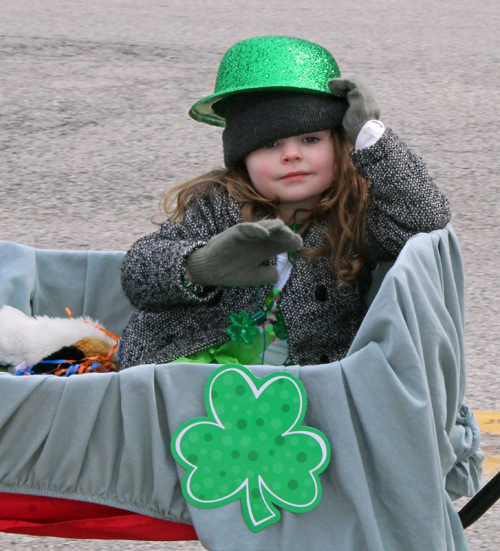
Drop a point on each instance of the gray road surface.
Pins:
(94, 129)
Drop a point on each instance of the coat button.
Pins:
(163, 339)
(324, 359)
(321, 293)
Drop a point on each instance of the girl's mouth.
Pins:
(292, 176)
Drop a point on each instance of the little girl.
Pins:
(268, 260)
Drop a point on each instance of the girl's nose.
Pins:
(291, 153)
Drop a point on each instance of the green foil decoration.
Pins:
(230, 352)
(252, 447)
(268, 63)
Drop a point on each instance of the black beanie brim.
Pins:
(255, 119)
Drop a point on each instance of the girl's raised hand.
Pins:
(232, 258)
(362, 106)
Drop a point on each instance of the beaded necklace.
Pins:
(245, 327)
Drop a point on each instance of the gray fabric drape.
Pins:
(45, 282)
(391, 411)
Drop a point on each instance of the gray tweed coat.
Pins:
(321, 320)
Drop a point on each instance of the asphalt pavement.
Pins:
(94, 130)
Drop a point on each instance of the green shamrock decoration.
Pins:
(252, 447)
(242, 328)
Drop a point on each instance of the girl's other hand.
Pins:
(233, 258)
(362, 106)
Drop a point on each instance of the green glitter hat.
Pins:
(268, 63)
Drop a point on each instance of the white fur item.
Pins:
(27, 339)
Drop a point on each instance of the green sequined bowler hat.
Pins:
(268, 63)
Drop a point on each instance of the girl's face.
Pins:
(295, 170)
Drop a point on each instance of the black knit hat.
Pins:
(254, 119)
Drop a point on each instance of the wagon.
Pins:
(90, 456)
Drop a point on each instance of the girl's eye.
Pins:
(311, 139)
(270, 144)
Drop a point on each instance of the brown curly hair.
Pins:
(343, 206)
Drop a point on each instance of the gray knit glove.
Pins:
(362, 107)
(232, 258)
